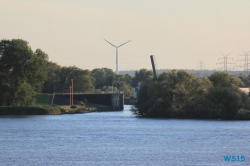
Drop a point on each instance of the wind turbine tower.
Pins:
(117, 72)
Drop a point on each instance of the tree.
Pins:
(245, 80)
(224, 99)
(40, 65)
(123, 83)
(146, 97)
(126, 88)
(128, 79)
(83, 82)
(53, 82)
(223, 102)
(142, 75)
(59, 79)
(100, 77)
(178, 94)
(103, 77)
(222, 79)
(171, 94)
(22, 72)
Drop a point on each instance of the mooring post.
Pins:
(53, 98)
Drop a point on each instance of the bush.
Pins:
(73, 106)
(52, 110)
(82, 103)
(85, 101)
(63, 111)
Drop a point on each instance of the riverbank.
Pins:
(32, 110)
(77, 109)
(42, 106)
(51, 110)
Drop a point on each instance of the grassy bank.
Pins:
(33, 110)
(42, 106)
(77, 109)
(43, 100)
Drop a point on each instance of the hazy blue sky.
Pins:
(178, 32)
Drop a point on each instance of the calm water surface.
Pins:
(119, 138)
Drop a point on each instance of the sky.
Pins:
(180, 33)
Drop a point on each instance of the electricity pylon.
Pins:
(225, 58)
(246, 64)
(201, 67)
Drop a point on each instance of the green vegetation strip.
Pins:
(36, 110)
(77, 109)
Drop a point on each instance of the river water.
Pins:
(119, 138)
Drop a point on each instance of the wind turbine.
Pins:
(117, 72)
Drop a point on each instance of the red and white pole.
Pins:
(72, 85)
(70, 96)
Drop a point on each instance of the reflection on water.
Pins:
(119, 138)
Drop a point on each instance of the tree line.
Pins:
(179, 94)
(24, 72)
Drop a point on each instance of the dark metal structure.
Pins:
(113, 101)
(154, 66)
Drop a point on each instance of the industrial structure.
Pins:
(154, 66)
(225, 61)
(246, 63)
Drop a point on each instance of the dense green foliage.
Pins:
(59, 79)
(96, 81)
(42, 99)
(142, 75)
(103, 77)
(245, 80)
(107, 80)
(178, 94)
(22, 72)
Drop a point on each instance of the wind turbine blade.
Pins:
(123, 43)
(110, 43)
